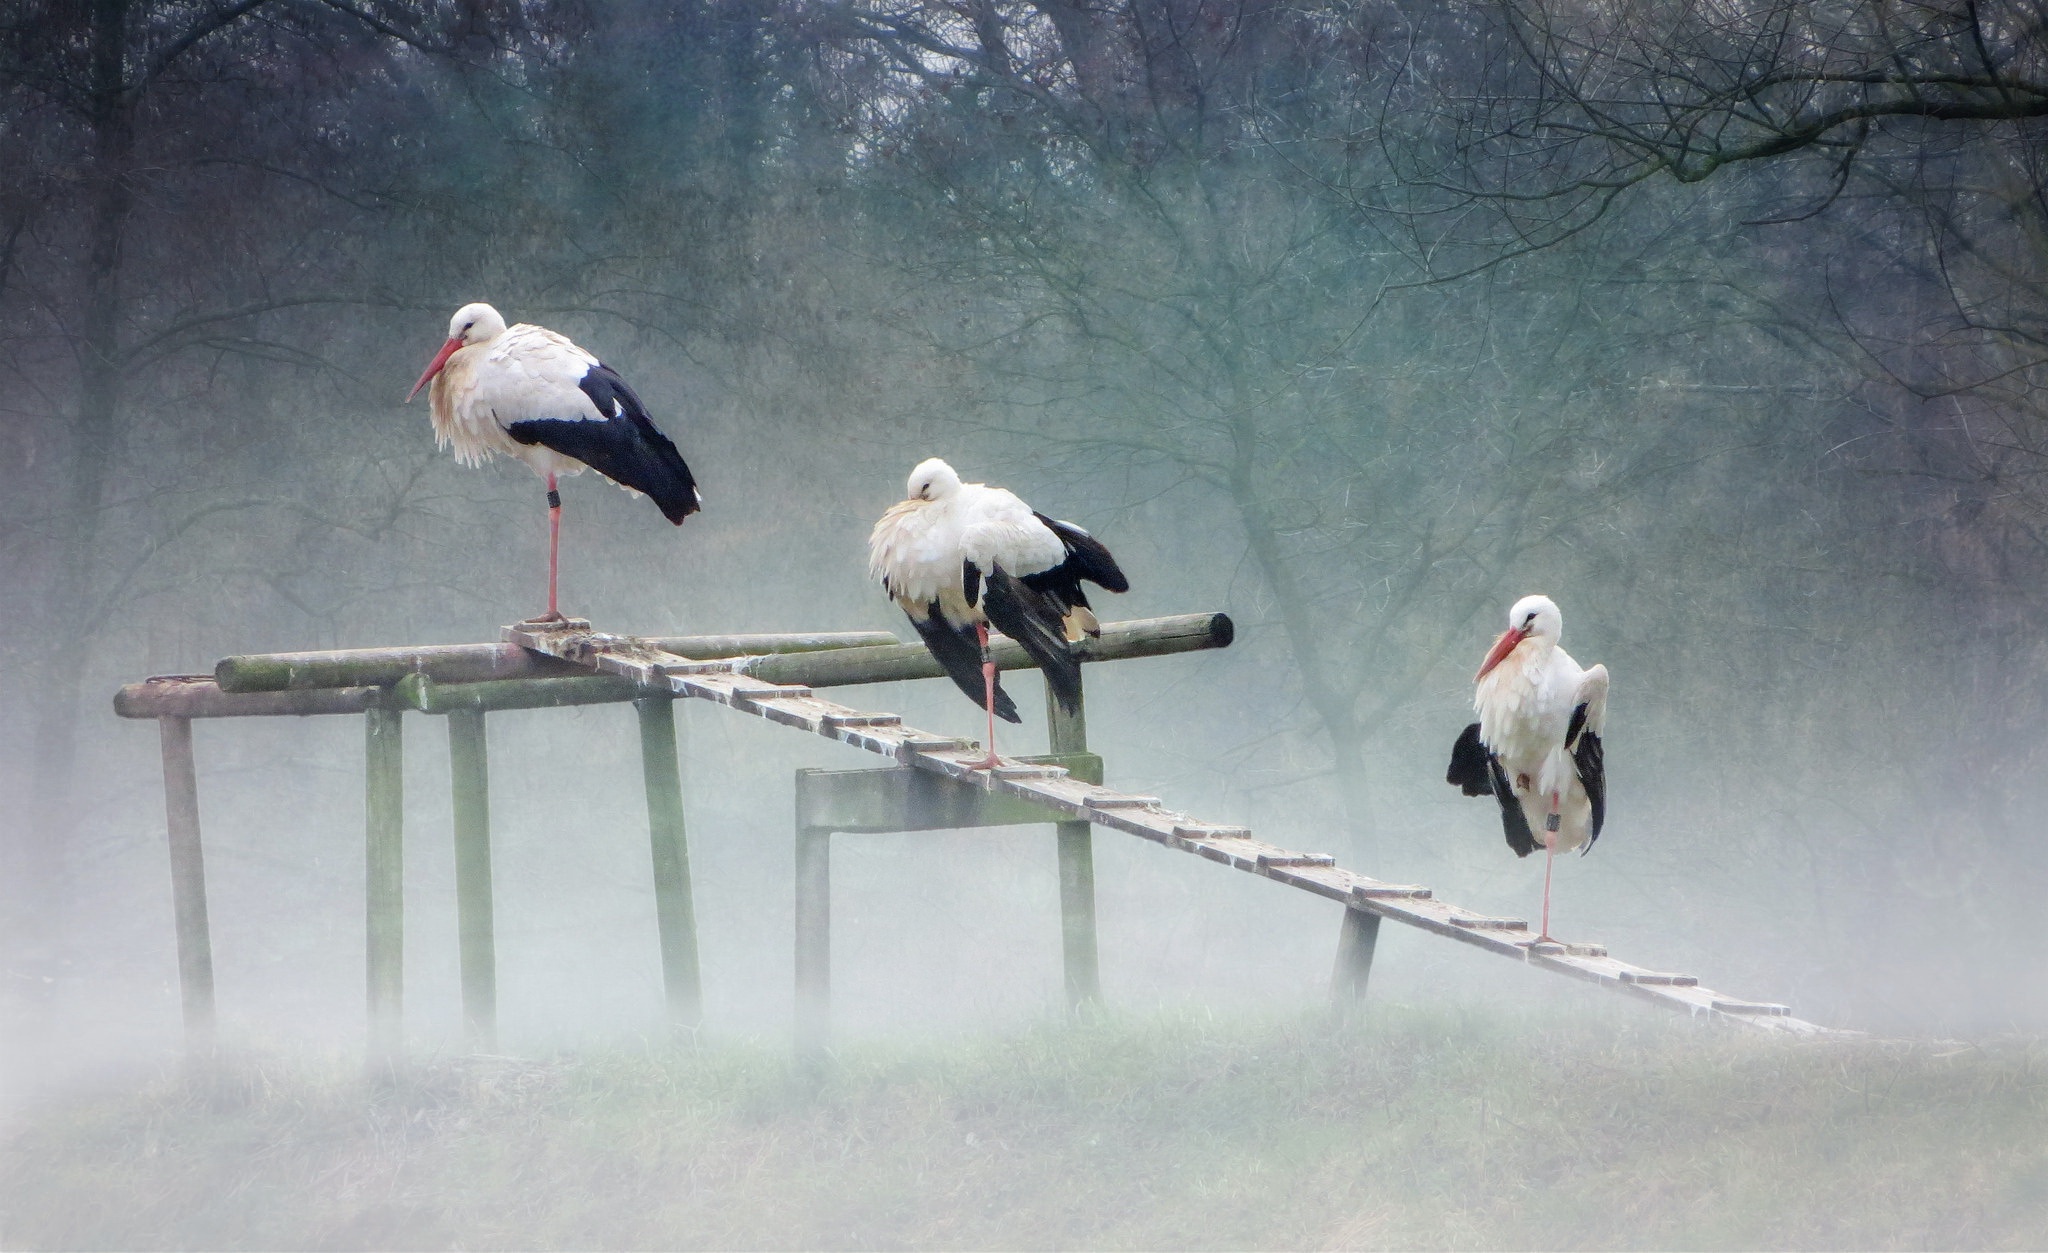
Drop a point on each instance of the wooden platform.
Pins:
(739, 684)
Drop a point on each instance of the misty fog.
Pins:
(1301, 309)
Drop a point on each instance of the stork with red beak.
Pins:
(528, 393)
(1536, 747)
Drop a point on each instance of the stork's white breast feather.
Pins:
(917, 546)
(527, 373)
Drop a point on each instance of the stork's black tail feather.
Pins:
(1035, 619)
(959, 652)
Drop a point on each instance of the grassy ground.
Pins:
(1420, 1129)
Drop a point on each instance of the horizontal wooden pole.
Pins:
(467, 663)
(1142, 637)
(900, 798)
(198, 696)
(417, 691)
(818, 659)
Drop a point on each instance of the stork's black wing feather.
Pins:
(1034, 619)
(1468, 764)
(1478, 773)
(1514, 823)
(1591, 758)
(625, 446)
(958, 651)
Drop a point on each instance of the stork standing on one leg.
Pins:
(961, 556)
(1536, 747)
(529, 393)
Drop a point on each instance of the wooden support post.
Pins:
(674, 913)
(1355, 944)
(470, 782)
(1069, 732)
(384, 881)
(188, 880)
(813, 939)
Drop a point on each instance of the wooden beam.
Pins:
(1356, 940)
(188, 880)
(905, 799)
(675, 915)
(1145, 637)
(813, 940)
(432, 696)
(470, 783)
(467, 663)
(198, 696)
(384, 882)
(1076, 850)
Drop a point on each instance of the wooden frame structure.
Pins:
(931, 785)
(462, 682)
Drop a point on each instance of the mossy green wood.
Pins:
(470, 785)
(675, 913)
(188, 879)
(461, 663)
(1145, 637)
(383, 880)
(1076, 847)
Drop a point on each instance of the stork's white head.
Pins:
(474, 323)
(933, 480)
(1532, 617)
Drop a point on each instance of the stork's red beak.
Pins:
(1501, 648)
(434, 367)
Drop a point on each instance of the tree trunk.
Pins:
(40, 885)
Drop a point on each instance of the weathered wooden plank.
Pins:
(469, 663)
(188, 880)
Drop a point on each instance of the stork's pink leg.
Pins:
(1551, 823)
(988, 700)
(554, 544)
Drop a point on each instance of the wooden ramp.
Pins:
(747, 684)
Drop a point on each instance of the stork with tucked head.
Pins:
(1537, 745)
(960, 556)
(531, 394)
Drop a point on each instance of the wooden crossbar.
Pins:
(730, 683)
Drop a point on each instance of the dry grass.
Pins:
(1421, 1129)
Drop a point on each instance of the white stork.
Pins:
(1536, 747)
(529, 393)
(960, 556)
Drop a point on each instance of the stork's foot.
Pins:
(543, 619)
(989, 762)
